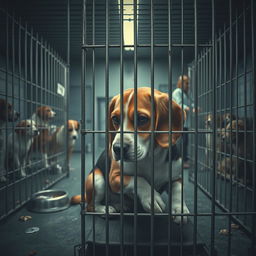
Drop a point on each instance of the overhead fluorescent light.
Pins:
(128, 23)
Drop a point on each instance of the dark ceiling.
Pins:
(49, 19)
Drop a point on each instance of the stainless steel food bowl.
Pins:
(49, 201)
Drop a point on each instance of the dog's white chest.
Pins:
(161, 171)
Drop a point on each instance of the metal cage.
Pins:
(32, 75)
(214, 43)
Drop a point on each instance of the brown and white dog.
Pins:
(58, 140)
(7, 114)
(142, 153)
(221, 122)
(19, 144)
(42, 117)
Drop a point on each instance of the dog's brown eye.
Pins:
(142, 120)
(116, 120)
(28, 125)
(70, 130)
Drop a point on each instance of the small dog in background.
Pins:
(58, 141)
(234, 143)
(7, 114)
(234, 137)
(42, 117)
(19, 144)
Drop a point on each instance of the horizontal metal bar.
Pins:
(88, 46)
(203, 131)
(173, 214)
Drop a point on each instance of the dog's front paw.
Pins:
(159, 204)
(103, 208)
(22, 172)
(177, 210)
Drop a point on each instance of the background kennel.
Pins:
(213, 42)
(32, 75)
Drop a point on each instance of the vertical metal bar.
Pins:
(12, 81)
(253, 11)
(196, 131)
(93, 116)
(83, 84)
(121, 127)
(106, 124)
(231, 111)
(19, 83)
(31, 90)
(225, 84)
(67, 87)
(36, 99)
(237, 128)
(6, 98)
(26, 90)
(221, 86)
(152, 124)
(169, 127)
(182, 106)
(41, 93)
(135, 6)
(245, 107)
(214, 133)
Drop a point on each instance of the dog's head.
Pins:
(73, 129)
(45, 113)
(208, 121)
(144, 121)
(27, 128)
(7, 112)
(227, 118)
(232, 128)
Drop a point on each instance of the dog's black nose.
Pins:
(74, 137)
(117, 150)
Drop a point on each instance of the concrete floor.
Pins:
(60, 231)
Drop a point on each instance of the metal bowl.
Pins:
(49, 201)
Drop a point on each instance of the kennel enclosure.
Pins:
(209, 41)
(32, 75)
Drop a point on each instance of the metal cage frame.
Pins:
(204, 76)
(32, 71)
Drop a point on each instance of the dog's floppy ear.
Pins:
(110, 124)
(78, 125)
(20, 128)
(162, 117)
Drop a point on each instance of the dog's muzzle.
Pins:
(117, 150)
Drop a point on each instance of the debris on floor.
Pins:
(25, 218)
(234, 226)
(224, 232)
(32, 230)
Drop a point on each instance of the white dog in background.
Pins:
(19, 144)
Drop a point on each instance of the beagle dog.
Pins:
(19, 144)
(42, 117)
(95, 189)
(221, 122)
(7, 114)
(58, 140)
